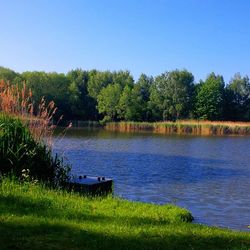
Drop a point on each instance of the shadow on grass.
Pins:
(47, 236)
(65, 231)
(22, 206)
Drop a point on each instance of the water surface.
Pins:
(210, 176)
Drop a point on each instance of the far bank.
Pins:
(184, 127)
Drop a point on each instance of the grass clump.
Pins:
(25, 137)
(35, 217)
(19, 151)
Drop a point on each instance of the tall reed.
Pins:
(26, 136)
(17, 100)
(184, 127)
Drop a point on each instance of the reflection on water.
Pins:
(210, 176)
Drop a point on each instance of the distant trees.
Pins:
(81, 104)
(172, 94)
(238, 98)
(210, 97)
(52, 86)
(97, 81)
(108, 101)
(125, 106)
(114, 96)
(9, 75)
(133, 103)
(141, 95)
(101, 79)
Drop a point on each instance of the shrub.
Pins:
(19, 150)
(25, 136)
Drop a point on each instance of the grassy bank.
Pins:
(33, 217)
(184, 127)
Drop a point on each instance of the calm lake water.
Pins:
(210, 176)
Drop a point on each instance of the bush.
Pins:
(19, 150)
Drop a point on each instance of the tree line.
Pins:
(115, 96)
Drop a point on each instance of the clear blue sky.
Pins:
(143, 36)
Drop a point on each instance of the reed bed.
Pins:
(184, 127)
(26, 136)
(16, 100)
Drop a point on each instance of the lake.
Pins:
(210, 176)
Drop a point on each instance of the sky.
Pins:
(142, 36)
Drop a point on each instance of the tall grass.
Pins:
(17, 100)
(25, 136)
(20, 151)
(183, 127)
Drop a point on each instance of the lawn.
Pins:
(35, 217)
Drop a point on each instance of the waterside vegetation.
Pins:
(25, 137)
(35, 217)
(37, 213)
(183, 127)
(115, 96)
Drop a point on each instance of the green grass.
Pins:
(35, 217)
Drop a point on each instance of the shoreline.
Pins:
(183, 127)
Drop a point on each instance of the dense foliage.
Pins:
(115, 96)
(21, 154)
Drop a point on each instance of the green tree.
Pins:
(138, 106)
(142, 92)
(101, 79)
(171, 94)
(51, 86)
(133, 104)
(97, 81)
(10, 76)
(123, 78)
(238, 98)
(155, 104)
(124, 105)
(108, 102)
(38, 82)
(210, 98)
(82, 106)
